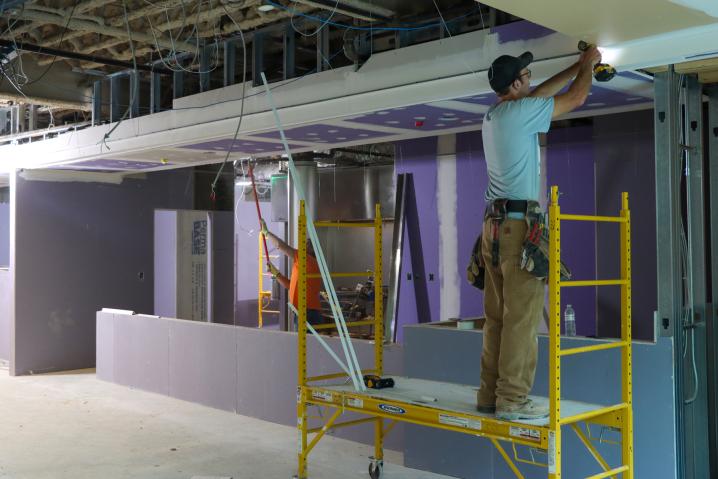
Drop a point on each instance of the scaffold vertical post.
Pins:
(626, 336)
(260, 293)
(302, 342)
(554, 279)
(378, 325)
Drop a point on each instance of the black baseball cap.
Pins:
(505, 69)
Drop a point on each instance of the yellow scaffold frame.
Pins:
(546, 438)
(263, 295)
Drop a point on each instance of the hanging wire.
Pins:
(133, 88)
(320, 28)
(62, 36)
(404, 28)
(213, 194)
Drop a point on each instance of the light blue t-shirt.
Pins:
(511, 146)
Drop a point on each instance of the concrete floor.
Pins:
(74, 426)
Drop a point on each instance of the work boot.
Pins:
(485, 402)
(486, 408)
(522, 412)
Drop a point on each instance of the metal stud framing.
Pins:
(115, 85)
(155, 92)
(257, 57)
(696, 437)
(178, 84)
(134, 94)
(97, 102)
(712, 312)
(290, 47)
(230, 61)
(205, 55)
(323, 49)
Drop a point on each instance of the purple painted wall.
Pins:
(5, 298)
(624, 149)
(4, 234)
(4, 281)
(249, 371)
(591, 165)
(570, 166)
(80, 247)
(419, 158)
(471, 183)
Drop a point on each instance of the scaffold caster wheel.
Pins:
(375, 468)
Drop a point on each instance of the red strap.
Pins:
(259, 212)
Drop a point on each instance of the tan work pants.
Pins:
(513, 304)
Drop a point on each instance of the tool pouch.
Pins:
(496, 213)
(476, 270)
(534, 254)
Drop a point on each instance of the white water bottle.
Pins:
(569, 321)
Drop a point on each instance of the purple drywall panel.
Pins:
(603, 97)
(5, 312)
(222, 256)
(486, 99)
(429, 118)
(109, 164)
(521, 30)
(594, 378)
(165, 263)
(201, 365)
(321, 133)
(418, 157)
(105, 346)
(238, 146)
(471, 183)
(570, 166)
(624, 151)
(267, 387)
(4, 235)
(81, 247)
(245, 370)
(144, 341)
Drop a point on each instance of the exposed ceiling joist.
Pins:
(49, 102)
(27, 47)
(370, 7)
(91, 27)
(119, 21)
(81, 8)
(228, 29)
(353, 8)
(707, 69)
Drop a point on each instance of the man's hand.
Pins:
(263, 225)
(590, 57)
(273, 270)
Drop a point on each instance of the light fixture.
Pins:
(265, 8)
(243, 182)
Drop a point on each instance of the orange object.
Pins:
(259, 212)
(313, 284)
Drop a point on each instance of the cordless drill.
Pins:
(377, 382)
(601, 71)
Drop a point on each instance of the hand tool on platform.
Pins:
(373, 381)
